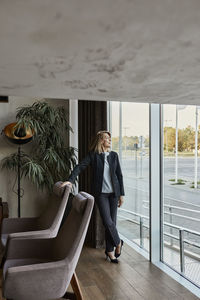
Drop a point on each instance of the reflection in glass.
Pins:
(181, 190)
(130, 138)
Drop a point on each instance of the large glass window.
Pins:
(130, 138)
(181, 190)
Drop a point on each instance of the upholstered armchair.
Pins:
(45, 226)
(43, 268)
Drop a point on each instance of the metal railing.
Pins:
(140, 223)
(179, 238)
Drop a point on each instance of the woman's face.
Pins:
(106, 140)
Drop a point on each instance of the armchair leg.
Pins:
(76, 287)
(77, 295)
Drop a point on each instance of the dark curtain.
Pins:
(92, 117)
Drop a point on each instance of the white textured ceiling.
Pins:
(129, 50)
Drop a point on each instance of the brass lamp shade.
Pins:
(18, 136)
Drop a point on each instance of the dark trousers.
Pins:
(107, 204)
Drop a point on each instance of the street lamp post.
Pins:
(125, 140)
(196, 148)
(136, 148)
(120, 132)
(141, 146)
(166, 121)
(176, 147)
(178, 107)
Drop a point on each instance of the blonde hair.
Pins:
(96, 144)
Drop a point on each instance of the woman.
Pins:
(107, 188)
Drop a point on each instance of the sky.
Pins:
(186, 115)
(135, 118)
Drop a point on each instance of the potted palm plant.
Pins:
(49, 160)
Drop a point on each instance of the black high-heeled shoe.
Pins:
(118, 254)
(112, 260)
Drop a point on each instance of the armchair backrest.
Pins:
(45, 226)
(51, 218)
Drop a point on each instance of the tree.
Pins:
(50, 160)
(115, 143)
(188, 138)
(169, 138)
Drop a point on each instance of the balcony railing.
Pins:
(180, 238)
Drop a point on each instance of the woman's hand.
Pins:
(121, 201)
(66, 183)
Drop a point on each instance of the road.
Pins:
(185, 199)
(181, 206)
(185, 167)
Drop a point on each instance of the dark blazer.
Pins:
(96, 161)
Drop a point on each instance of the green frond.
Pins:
(50, 160)
(11, 162)
(34, 172)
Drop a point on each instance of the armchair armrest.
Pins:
(36, 280)
(37, 234)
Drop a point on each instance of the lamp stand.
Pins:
(19, 182)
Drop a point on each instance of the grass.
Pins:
(198, 182)
(180, 154)
(182, 182)
(198, 185)
(179, 181)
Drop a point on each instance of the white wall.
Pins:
(33, 201)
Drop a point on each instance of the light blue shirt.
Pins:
(107, 186)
